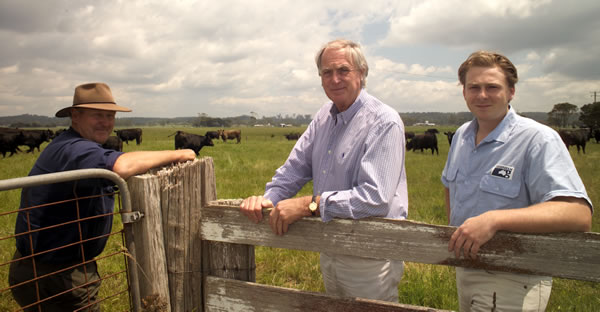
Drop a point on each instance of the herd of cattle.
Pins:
(11, 139)
(428, 140)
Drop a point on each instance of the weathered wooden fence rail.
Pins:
(197, 253)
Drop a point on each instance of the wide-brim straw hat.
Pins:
(95, 95)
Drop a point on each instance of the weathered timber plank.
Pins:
(566, 255)
(228, 295)
(193, 289)
(180, 200)
(150, 249)
(175, 216)
(235, 261)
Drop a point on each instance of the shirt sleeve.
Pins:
(380, 172)
(295, 172)
(552, 172)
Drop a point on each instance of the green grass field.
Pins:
(243, 169)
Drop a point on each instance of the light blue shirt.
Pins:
(520, 163)
(355, 159)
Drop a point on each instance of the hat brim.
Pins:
(65, 112)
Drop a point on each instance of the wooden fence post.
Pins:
(233, 261)
(172, 256)
(180, 204)
(170, 199)
(150, 250)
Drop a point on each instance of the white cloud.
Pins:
(179, 58)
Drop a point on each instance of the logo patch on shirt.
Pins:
(502, 171)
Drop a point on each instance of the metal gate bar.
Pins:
(22, 182)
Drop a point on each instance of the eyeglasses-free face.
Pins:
(341, 71)
(339, 78)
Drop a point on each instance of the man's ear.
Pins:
(511, 94)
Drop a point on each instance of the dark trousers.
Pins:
(22, 271)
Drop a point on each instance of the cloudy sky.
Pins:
(176, 58)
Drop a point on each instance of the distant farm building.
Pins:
(426, 123)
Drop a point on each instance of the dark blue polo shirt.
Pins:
(68, 151)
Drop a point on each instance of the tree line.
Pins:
(562, 115)
(567, 115)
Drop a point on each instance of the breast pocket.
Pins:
(498, 192)
(461, 187)
(450, 174)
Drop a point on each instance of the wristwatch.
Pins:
(313, 205)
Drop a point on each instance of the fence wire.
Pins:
(118, 275)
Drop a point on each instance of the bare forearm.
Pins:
(566, 214)
(132, 163)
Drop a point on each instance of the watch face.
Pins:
(312, 206)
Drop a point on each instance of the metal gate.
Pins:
(115, 270)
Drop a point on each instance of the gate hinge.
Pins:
(131, 217)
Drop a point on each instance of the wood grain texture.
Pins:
(226, 295)
(565, 255)
(149, 239)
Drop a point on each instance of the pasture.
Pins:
(243, 169)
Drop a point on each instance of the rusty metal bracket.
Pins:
(131, 217)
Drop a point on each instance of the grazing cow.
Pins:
(130, 135)
(423, 141)
(450, 135)
(113, 143)
(231, 134)
(212, 134)
(597, 135)
(10, 139)
(192, 141)
(293, 136)
(577, 137)
(409, 135)
(34, 138)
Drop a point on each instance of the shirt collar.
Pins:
(348, 114)
(502, 130)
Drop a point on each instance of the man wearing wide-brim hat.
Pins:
(80, 147)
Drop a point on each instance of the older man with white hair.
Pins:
(353, 150)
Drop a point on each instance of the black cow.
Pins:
(597, 135)
(114, 143)
(192, 141)
(10, 139)
(577, 137)
(409, 135)
(212, 134)
(293, 136)
(432, 131)
(34, 138)
(130, 135)
(450, 135)
(423, 141)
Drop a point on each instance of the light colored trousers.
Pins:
(480, 290)
(350, 276)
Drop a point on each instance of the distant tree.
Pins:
(204, 120)
(562, 114)
(590, 115)
(408, 120)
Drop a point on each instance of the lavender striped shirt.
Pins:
(355, 159)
